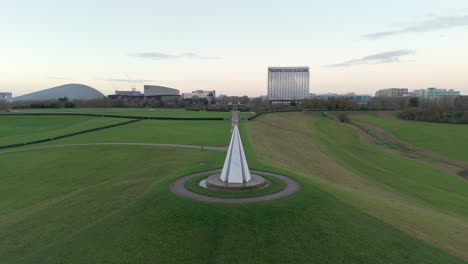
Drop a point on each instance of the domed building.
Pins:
(71, 91)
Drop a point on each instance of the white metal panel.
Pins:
(235, 169)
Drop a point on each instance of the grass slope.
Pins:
(444, 139)
(19, 129)
(113, 205)
(400, 175)
(423, 202)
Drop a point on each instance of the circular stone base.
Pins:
(214, 182)
(178, 187)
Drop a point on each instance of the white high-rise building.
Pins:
(288, 83)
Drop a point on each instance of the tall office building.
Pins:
(288, 83)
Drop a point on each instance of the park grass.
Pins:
(421, 201)
(21, 129)
(112, 204)
(158, 112)
(206, 133)
(445, 139)
(276, 185)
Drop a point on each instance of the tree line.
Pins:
(446, 110)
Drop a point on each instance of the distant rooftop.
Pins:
(287, 69)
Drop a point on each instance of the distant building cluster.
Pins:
(6, 97)
(286, 85)
(435, 93)
(429, 93)
(200, 94)
(163, 93)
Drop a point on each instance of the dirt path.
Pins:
(178, 187)
(117, 144)
(377, 135)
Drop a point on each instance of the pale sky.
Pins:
(350, 46)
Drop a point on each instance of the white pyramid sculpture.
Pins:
(235, 169)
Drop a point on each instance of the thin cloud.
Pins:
(379, 58)
(436, 23)
(57, 78)
(165, 56)
(131, 80)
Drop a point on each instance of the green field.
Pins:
(445, 139)
(358, 203)
(124, 212)
(158, 112)
(20, 129)
(207, 133)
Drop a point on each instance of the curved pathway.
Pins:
(178, 187)
(118, 144)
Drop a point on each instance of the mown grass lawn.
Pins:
(21, 129)
(445, 139)
(112, 204)
(207, 133)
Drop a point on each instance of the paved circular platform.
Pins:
(178, 187)
(214, 182)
